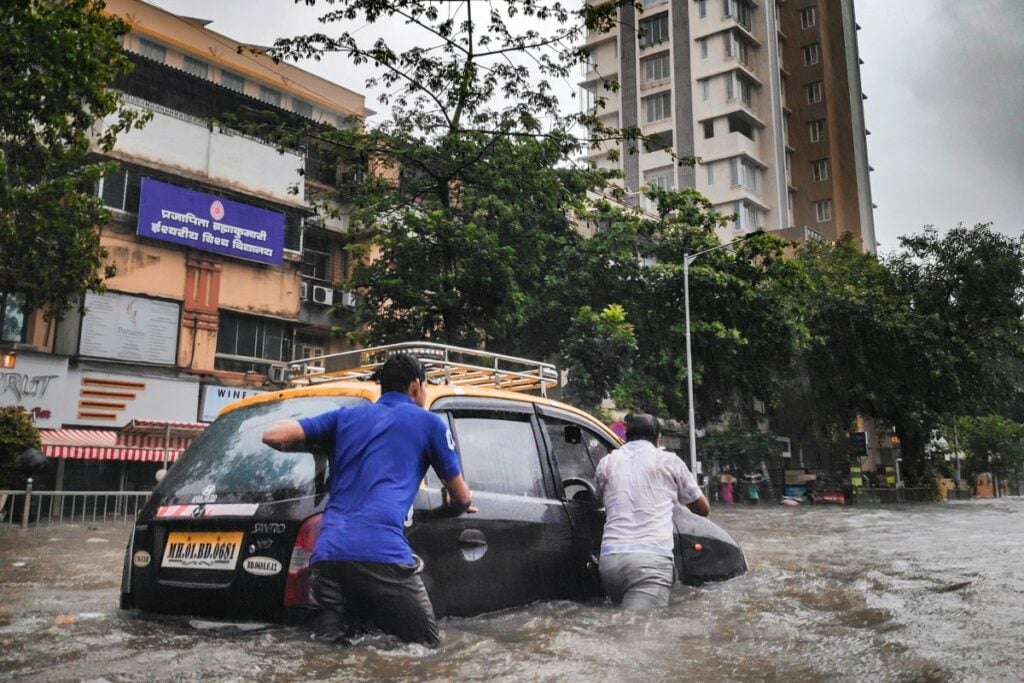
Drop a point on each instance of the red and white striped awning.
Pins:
(103, 444)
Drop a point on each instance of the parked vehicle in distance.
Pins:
(230, 529)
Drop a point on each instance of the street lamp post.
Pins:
(687, 260)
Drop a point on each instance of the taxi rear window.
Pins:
(229, 463)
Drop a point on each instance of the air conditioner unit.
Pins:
(313, 370)
(348, 299)
(323, 295)
(278, 373)
(304, 291)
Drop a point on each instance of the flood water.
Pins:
(900, 593)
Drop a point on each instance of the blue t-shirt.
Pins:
(380, 454)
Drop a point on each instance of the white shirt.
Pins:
(640, 485)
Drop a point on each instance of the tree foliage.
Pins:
(59, 60)
(992, 442)
(16, 434)
(745, 323)
(935, 330)
(598, 348)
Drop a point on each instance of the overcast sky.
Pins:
(945, 107)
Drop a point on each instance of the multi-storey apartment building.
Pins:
(765, 94)
(225, 270)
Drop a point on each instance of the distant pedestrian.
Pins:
(640, 485)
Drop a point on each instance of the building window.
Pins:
(270, 96)
(812, 54)
(740, 125)
(249, 344)
(121, 189)
(302, 108)
(658, 107)
(816, 129)
(12, 317)
(744, 173)
(709, 129)
(748, 217)
(738, 88)
(196, 67)
(808, 18)
(819, 170)
(662, 179)
(702, 9)
(813, 92)
(656, 68)
(659, 141)
(738, 10)
(292, 232)
(711, 172)
(316, 255)
(232, 81)
(705, 89)
(151, 50)
(735, 47)
(654, 30)
(823, 210)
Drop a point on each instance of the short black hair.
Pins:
(642, 427)
(398, 371)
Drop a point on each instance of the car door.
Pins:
(575, 449)
(518, 548)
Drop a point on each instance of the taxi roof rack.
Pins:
(443, 363)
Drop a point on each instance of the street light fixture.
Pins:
(687, 260)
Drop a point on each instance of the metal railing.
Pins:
(92, 509)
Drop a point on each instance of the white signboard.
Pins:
(216, 397)
(129, 328)
(104, 399)
(37, 384)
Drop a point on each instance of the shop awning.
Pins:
(140, 441)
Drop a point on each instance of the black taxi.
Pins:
(230, 529)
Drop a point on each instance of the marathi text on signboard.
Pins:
(202, 221)
(129, 328)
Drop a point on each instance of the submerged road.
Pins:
(908, 593)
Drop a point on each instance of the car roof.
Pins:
(370, 391)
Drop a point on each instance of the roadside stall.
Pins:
(123, 459)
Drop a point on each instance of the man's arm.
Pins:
(700, 507)
(457, 496)
(286, 435)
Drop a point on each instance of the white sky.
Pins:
(945, 107)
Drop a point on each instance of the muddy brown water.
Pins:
(902, 593)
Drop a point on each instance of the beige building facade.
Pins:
(225, 269)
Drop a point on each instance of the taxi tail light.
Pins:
(296, 589)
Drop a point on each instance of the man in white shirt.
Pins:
(640, 485)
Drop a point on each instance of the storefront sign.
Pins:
(202, 221)
(103, 399)
(215, 398)
(129, 328)
(36, 384)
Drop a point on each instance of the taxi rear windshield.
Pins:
(229, 462)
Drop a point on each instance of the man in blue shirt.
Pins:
(362, 567)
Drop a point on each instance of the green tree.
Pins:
(16, 434)
(740, 450)
(745, 321)
(597, 348)
(934, 330)
(964, 291)
(992, 442)
(59, 60)
(471, 183)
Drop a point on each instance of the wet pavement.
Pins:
(897, 593)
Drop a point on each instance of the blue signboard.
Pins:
(203, 221)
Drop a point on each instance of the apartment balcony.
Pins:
(190, 147)
(728, 145)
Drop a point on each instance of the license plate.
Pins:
(202, 550)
